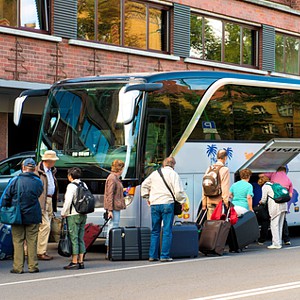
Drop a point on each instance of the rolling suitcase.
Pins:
(244, 232)
(91, 233)
(184, 240)
(213, 236)
(129, 243)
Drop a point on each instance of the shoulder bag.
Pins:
(177, 205)
(12, 215)
(64, 244)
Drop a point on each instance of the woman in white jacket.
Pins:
(276, 211)
(76, 221)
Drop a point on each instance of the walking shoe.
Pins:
(36, 270)
(166, 259)
(274, 247)
(44, 257)
(81, 265)
(151, 259)
(71, 266)
(13, 271)
(260, 243)
(288, 243)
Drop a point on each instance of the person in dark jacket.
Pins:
(25, 188)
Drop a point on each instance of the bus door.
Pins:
(276, 153)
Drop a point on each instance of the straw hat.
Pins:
(49, 155)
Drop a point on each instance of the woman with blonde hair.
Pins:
(276, 211)
(113, 197)
(241, 193)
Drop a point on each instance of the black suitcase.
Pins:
(213, 236)
(129, 243)
(244, 232)
(184, 240)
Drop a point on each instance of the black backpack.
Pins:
(84, 202)
(211, 182)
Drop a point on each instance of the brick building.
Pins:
(45, 41)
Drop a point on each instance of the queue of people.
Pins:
(241, 196)
(158, 189)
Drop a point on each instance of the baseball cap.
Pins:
(29, 162)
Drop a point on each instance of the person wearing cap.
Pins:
(48, 200)
(25, 188)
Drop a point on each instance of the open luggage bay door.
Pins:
(275, 153)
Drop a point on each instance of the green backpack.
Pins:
(281, 194)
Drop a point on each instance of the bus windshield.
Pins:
(81, 123)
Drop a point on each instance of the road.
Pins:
(257, 273)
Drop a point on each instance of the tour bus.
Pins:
(143, 118)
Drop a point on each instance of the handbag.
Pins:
(12, 215)
(219, 212)
(177, 205)
(64, 244)
(233, 216)
(55, 229)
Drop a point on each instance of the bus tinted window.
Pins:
(249, 113)
(173, 105)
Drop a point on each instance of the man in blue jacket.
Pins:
(25, 188)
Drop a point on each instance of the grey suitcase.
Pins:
(244, 232)
(129, 243)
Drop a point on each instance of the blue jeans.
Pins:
(112, 223)
(159, 213)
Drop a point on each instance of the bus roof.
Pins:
(159, 76)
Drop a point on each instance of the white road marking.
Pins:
(253, 292)
(150, 265)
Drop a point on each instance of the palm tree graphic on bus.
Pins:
(211, 151)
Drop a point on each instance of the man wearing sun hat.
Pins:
(48, 200)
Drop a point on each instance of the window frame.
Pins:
(165, 40)
(45, 11)
(284, 57)
(255, 40)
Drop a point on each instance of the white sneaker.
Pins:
(274, 247)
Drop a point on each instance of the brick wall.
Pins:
(47, 62)
(3, 135)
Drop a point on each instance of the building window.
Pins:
(286, 54)
(223, 41)
(127, 23)
(31, 14)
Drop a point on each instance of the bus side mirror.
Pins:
(127, 102)
(127, 99)
(19, 102)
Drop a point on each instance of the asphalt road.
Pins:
(257, 273)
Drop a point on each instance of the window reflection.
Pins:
(217, 40)
(134, 24)
(249, 113)
(232, 43)
(33, 14)
(213, 39)
(109, 23)
(286, 54)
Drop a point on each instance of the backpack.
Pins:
(85, 200)
(281, 194)
(211, 182)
